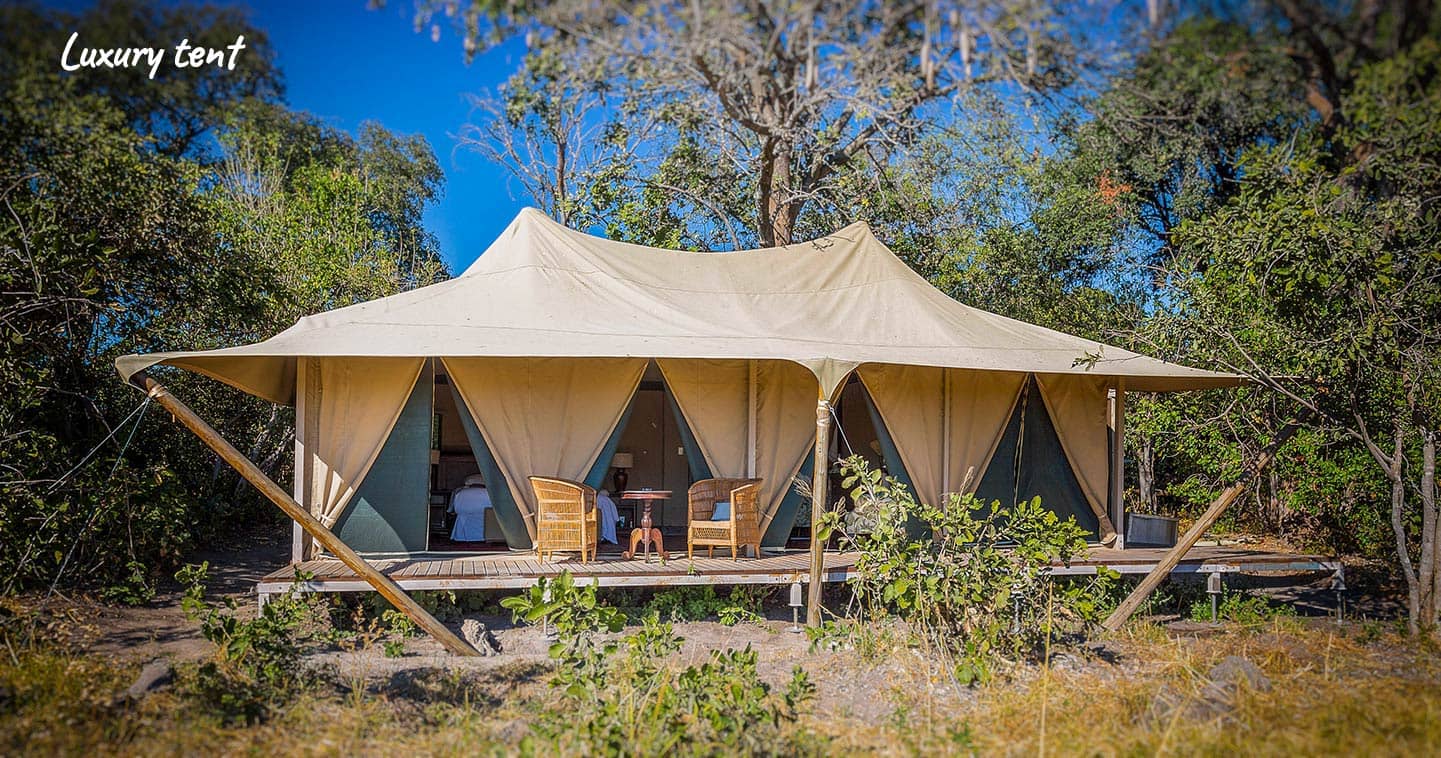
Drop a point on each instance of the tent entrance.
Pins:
(664, 455)
(458, 452)
(1029, 461)
(650, 431)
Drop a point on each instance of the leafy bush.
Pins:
(978, 589)
(618, 697)
(1237, 607)
(702, 602)
(256, 666)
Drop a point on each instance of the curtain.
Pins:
(351, 406)
(912, 405)
(785, 429)
(1078, 408)
(502, 502)
(545, 416)
(714, 398)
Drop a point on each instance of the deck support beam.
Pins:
(312, 526)
(1193, 535)
(820, 477)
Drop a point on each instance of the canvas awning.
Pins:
(943, 374)
(543, 290)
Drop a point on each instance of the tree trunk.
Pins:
(1274, 508)
(1430, 610)
(1393, 468)
(776, 210)
(1146, 475)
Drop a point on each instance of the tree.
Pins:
(1167, 135)
(119, 234)
(177, 108)
(1326, 266)
(333, 220)
(106, 246)
(785, 95)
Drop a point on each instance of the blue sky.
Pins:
(347, 64)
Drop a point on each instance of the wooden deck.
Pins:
(516, 570)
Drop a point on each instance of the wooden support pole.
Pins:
(276, 494)
(1193, 535)
(751, 391)
(1118, 463)
(820, 477)
(299, 540)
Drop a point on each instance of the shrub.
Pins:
(978, 588)
(256, 666)
(618, 697)
(679, 604)
(1237, 607)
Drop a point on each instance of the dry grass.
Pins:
(1328, 695)
(1331, 694)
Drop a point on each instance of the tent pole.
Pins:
(1118, 463)
(299, 540)
(276, 494)
(945, 434)
(1193, 535)
(820, 477)
(751, 419)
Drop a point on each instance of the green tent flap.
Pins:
(389, 512)
(507, 513)
(1029, 461)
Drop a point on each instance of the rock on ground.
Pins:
(1217, 698)
(155, 675)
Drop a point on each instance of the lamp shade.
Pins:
(622, 460)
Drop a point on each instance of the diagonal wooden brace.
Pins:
(1193, 535)
(276, 494)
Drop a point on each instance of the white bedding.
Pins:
(606, 517)
(469, 505)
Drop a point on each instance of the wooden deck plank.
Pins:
(513, 570)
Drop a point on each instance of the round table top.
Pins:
(645, 495)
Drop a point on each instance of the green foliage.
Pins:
(618, 695)
(185, 212)
(400, 628)
(107, 250)
(256, 667)
(701, 602)
(1320, 278)
(1239, 608)
(134, 589)
(978, 588)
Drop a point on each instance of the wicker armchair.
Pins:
(741, 529)
(565, 518)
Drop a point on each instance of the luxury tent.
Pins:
(545, 343)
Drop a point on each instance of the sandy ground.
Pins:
(159, 628)
(846, 687)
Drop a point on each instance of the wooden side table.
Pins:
(647, 535)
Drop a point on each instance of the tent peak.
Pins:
(531, 214)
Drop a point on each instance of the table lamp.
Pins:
(621, 462)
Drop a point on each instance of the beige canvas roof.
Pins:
(543, 290)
